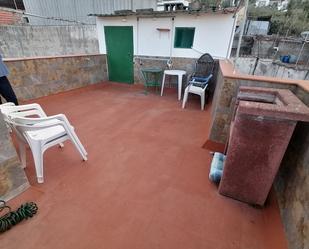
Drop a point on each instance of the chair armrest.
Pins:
(7, 104)
(39, 122)
(24, 110)
(33, 124)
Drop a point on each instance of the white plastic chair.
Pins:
(40, 133)
(196, 88)
(6, 110)
(22, 111)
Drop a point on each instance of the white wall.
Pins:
(212, 34)
(128, 21)
(151, 41)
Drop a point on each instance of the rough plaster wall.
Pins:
(266, 67)
(292, 182)
(40, 77)
(29, 41)
(292, 185)
(12, 177)
(292, 188)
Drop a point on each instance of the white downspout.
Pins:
(229, 50)
(172, 37)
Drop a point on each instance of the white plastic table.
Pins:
(179, 74)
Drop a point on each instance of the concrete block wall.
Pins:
(29, 41)
(292, 182)
(36, 77)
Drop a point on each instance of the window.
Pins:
(184, 37)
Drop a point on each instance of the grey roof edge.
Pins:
(230, 10)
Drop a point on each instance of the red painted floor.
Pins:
(145, 184)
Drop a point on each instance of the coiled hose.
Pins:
(12, 218)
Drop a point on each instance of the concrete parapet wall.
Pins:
(224, 101)
(28, 41)
(266, 67)
(292, 183)
(12, 176)
(264, 47)
(36, 77)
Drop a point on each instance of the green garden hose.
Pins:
(12, 218)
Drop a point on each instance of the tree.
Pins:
(290, 22)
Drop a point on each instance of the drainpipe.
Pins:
(228, 54)
(137, 35)
(15, 4)
(242, 30)
(172, 36)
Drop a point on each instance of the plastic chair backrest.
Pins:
(6, 114)
(10, 112)
(204, 66)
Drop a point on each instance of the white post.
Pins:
(242, 30)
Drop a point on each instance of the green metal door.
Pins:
(119, 47)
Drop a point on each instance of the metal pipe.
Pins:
(15, 4)
(151, 59)
(229, 49)
(301, 50)
(137, 36)
(242, 29)
(172, 36)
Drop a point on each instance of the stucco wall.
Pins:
(292, 182)
(28, 41)
(33, 78)
(212, 34)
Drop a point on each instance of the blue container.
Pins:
(285, 58)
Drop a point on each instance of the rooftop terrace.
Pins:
(145, 184)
